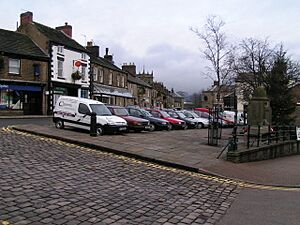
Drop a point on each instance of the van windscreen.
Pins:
(100, 109)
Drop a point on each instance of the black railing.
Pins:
(266, 135)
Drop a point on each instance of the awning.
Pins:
(20, 87)
(100, 89)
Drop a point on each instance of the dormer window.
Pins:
(60, 49)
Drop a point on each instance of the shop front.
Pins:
(21, 98)
(112, 95)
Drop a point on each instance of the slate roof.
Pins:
(20, 44)
(138, 81)
(59, 37)
(105, 63)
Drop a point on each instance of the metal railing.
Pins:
(266, 135)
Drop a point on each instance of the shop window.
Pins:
(84, 93)
(10, 99)
(14, 66)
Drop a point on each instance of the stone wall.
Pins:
(265, 152)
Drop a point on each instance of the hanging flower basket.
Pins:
(76, 75)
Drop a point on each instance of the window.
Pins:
(60, 65)
(84, 93)
(83, 109)
(110, 78)
(100, 74)
(36, 70)
(95, 73)
(83, 72)
(60, 49)
(14, 66)
(134, 112)
(100, 109)
(122, 81)
(118, 80)
(83, 55)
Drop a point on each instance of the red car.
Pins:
(175, 123)
(133, 123)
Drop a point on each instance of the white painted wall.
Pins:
(70, 57)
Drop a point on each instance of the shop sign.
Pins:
(3, 87)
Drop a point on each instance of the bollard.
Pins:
(93, 127)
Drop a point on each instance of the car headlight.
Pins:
(163, 123)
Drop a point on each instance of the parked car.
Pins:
(222, 121)
(155, 123)
(134, 123)
(180, 115)
(202, 122)
(175, 123)
(76, 112)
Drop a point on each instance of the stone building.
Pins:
(109, 82)
(69, 66)
(141, 90)
(23, 75)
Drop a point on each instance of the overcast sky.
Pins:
(155, 34)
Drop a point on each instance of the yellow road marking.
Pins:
(229, 181)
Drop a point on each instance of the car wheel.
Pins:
(99, 131)
(59, 124)
(185, 127)
(152, 128)
(200, 125)
(170, 127)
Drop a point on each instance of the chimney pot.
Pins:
(106, 51)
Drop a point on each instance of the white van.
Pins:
(75, 112)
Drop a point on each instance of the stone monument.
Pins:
(259, 110)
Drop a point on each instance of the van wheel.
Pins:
(200, 125)
(99, 131)
(59, 124)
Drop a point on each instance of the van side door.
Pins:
(84, 114)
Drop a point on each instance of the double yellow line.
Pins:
(228, 181)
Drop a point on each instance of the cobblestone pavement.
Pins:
(43, 181)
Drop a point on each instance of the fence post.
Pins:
(248, 136)
(258, 136)
(269, 134)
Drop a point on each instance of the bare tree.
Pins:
(254, 60)
(215, 48)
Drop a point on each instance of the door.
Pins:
(83, 117)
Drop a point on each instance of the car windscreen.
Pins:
(164, 114)
(121, 112)
(194, 114)
(190, 114)
(181, 115)
(100, 109)
(146, 113)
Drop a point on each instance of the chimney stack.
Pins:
(130, 68)
(94, 49)
(108, 57)
(67, 29)
(26, 17)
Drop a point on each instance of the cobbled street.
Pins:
(43, 181)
